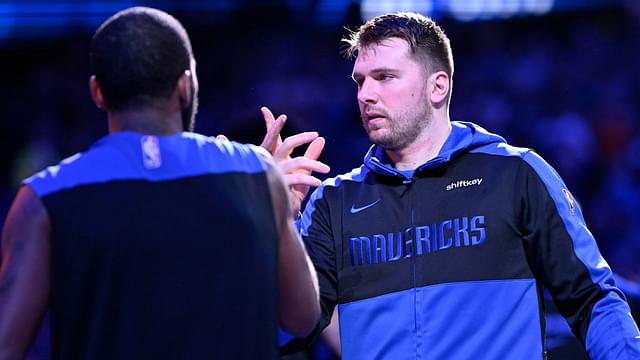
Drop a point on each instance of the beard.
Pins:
(401, 129)
(189, 112)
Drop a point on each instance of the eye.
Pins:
(385, 76)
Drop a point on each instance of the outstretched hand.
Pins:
(296, 171)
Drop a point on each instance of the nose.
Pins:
(368, 92)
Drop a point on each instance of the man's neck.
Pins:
(426, 147)
(146, 121)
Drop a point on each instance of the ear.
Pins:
(96, 93)
(439, 86)
(184, 88)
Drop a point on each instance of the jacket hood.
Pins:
(464, 136)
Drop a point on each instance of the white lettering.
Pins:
(463, 183)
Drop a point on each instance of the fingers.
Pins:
(296, 171)
(302, 165)
(315, 149)
(301, 179)
(268, 116)
(272, 138)
(222, 137)
(292, 142)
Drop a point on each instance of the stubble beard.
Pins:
(401, 129)
(189, 113)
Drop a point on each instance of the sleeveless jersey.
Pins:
(163, 247)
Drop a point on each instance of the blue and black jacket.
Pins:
(163, 247)
(449, 263)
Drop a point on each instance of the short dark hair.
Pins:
(137, 56)
(427, 41)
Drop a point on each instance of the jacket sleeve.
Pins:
(565, 257)
(317, 234)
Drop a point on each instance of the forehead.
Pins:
(392, 52)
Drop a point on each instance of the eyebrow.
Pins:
(375, 71)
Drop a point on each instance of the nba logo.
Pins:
(150, 152)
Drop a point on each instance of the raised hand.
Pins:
(296, 171)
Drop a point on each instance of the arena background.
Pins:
(561, 77)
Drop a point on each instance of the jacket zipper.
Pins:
(409, 183)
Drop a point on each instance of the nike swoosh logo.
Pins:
(355, 210)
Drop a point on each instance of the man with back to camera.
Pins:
(156, 243)
(439, 245)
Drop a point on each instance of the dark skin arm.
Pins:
(289, 182)
(298, 294)
(24, 275)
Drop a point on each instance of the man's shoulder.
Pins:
(336, 183)
(66, 173)
(225, 148)
(131, 156)
(526, 156)
(355, 175)
(501, 149)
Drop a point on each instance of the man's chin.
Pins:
(380, 139)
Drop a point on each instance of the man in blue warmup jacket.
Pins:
(439, 245)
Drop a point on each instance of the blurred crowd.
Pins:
(566, 85)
